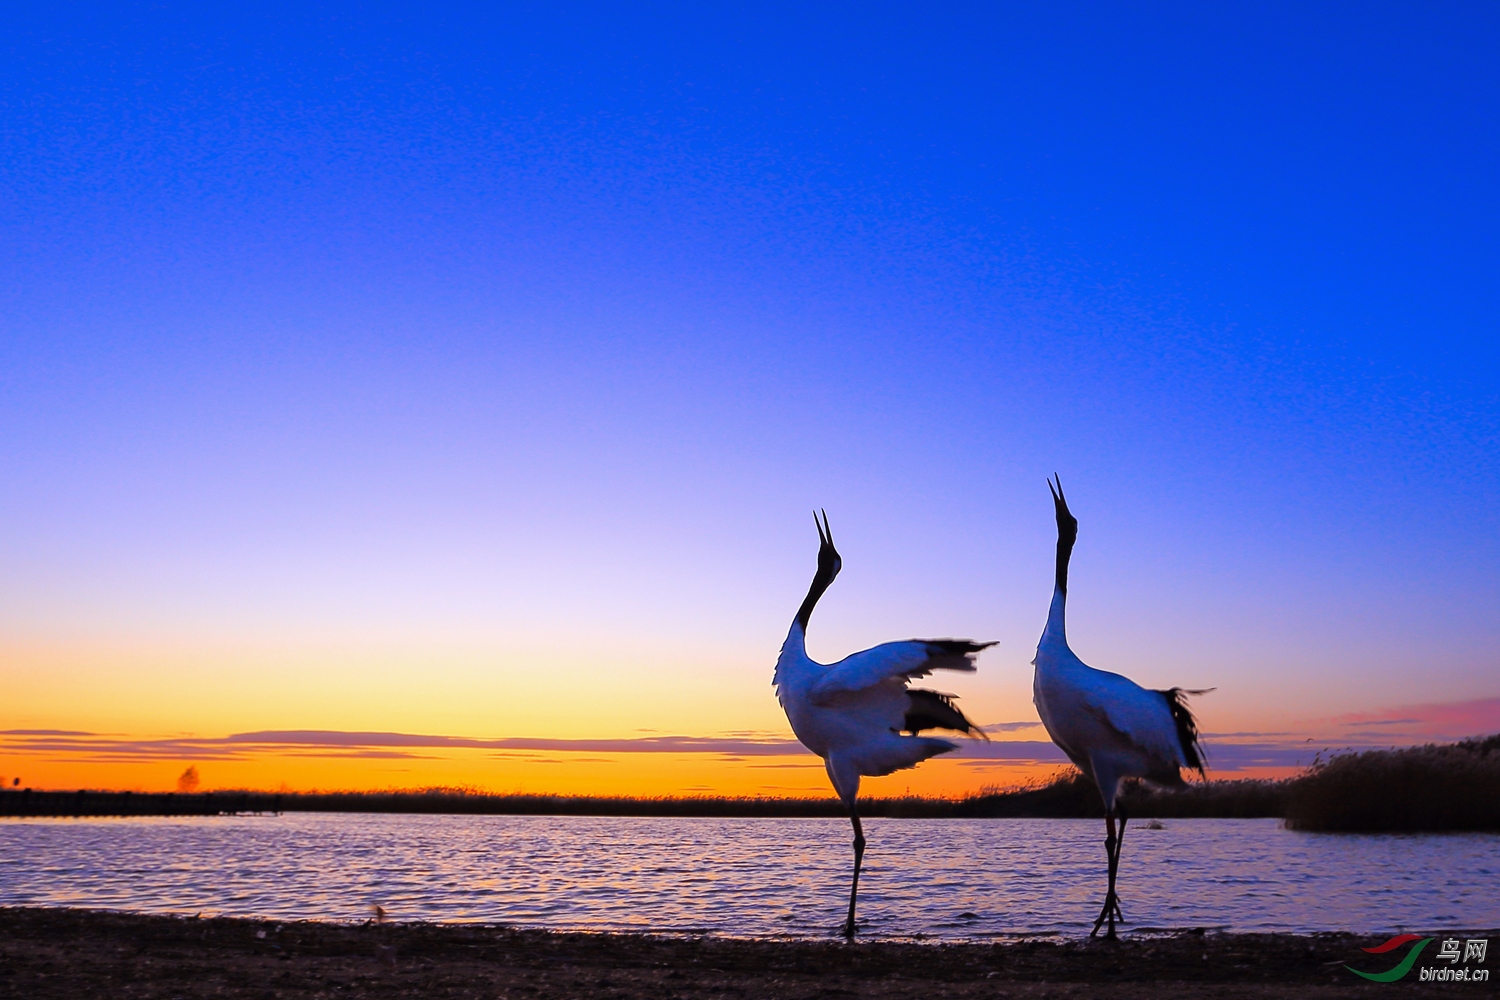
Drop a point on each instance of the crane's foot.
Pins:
(849, 929)
(1110, 915)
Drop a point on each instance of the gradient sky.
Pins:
(471, 374)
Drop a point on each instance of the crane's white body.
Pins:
(851, 713)
(1108, 725)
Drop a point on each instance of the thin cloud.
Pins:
(639, 744)
(1013, 750)
(808, 765)
(985, 763)
(1242, 736)
(42, 732)
(334, 743)
(1389, 737)
(1007, 727)
(364, 755)
(1432, 721)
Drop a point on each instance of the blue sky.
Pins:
(517, 343)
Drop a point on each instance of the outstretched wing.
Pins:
(912, 658)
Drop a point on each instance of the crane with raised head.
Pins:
(860, 714)
(1108, 725)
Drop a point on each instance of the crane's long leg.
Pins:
(1111, 901)
(859, 854)
(1120, 846)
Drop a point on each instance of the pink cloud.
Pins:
(1448, 720)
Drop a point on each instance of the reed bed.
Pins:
(1068, 794)
(451, 801)
(1432, 788)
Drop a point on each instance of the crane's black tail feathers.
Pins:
(1187, 727)
(935, 710)
(951, 654)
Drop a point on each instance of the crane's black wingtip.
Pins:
(936, 710)
(955, 647)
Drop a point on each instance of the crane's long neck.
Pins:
(1056, 630)
(820, 583)
(795, 645)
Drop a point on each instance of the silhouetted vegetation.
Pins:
(1069, 794)
(1065, 795)
(1427, 788)
(458, 801)
(1242, 798)
(1445, 787)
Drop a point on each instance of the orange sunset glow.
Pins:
(110, 717)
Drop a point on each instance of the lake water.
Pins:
(941, 879)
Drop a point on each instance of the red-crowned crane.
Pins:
(1108, 725)
(853, 713)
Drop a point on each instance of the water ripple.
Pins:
(944, 879)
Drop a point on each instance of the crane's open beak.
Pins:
(828, 556)
(1065, 518)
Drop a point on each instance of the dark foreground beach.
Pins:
(76, 953)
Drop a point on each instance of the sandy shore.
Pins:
(62, 953)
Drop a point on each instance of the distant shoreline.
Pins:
(1064, 798)
(1433, 788)
(67, 953)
